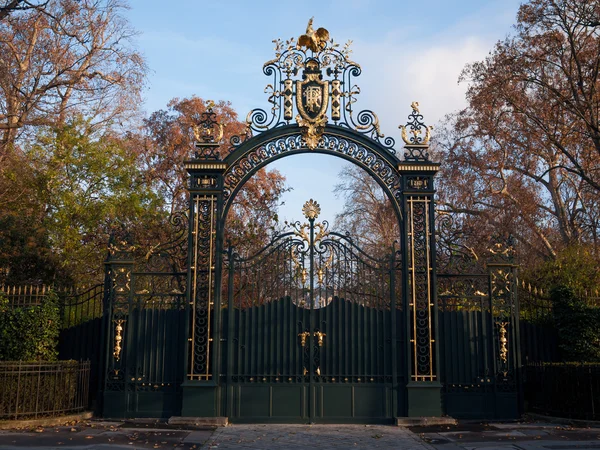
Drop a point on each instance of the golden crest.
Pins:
(312, 100)
(312, 93)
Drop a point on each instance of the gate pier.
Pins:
(419, 276)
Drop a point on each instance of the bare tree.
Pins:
(7, 7)
(524, 156)
(74, 57)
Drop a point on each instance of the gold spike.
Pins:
(529, 287)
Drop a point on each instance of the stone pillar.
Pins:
(419, 270)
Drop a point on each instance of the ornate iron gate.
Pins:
(312, 326)
(310, 329)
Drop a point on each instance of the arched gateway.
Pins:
(311, 329)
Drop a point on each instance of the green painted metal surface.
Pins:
(313, 332)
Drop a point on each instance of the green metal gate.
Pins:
(312, 326)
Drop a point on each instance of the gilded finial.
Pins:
(207, 129)
(415, 126)
(311, 209)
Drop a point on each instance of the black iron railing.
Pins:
(33, 390)
(563, 390)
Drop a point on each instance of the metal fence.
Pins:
(81, 334)
(26, 295)
(563, 390)
(33, 390)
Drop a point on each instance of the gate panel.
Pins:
(312, 332)
(478, 357)
(145, 328)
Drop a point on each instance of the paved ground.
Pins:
(466, 436)
(509, 436)
(322, 437)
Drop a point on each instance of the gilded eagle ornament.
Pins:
(313, 40)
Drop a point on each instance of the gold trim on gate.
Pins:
(211, 199)
(416, 376)
(320, 338)
(118, 338)
(503, 342)
(210, 284)
(303, 337)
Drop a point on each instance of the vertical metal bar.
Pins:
(194, 268)
(394, 350)
(492, 334)
(230, 332)
(427, 237)
(37, 391)
(311, 329)
(413, 284)
(518, 364)
(18, 392)
(211, 261)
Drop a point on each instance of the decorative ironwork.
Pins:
(320, 337)
(303, 337)
(502, 249)
(236, 174)
(202, 270)
(502, 279)
(324, 300)
(503, 342)
(208, 133)
(420, 282)
(311, 209)
(313, 57)
(417, 144)
(171, 255)
(454, 253)
(118, 338)
(314, 40)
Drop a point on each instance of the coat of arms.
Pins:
(312, 99)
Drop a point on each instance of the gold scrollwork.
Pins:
(118, 338)
(303, 337)
(320, 337)
(503, 342)
(318, 334)
(416, 127)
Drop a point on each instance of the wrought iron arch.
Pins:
(380, 163)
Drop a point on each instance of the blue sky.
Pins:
(408, 51)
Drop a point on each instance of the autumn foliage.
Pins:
(524, 156)
(77, 158)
